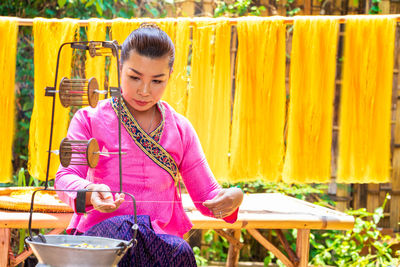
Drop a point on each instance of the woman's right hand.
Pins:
(103, 201)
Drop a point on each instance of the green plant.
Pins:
(364, 245)
(238, 8)
(290, 9)
(218, 249)
(200, 260)
(375, 7)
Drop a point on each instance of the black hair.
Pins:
(150, 41)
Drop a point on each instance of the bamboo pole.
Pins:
(395, 194)
(287, 20)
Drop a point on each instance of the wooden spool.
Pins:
(79, 92)
(79, 152)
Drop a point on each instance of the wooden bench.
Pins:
(258, 211)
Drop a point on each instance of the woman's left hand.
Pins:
(225, 202)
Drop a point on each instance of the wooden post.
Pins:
(307, 7)
(233, 252)
(373, 197)
(395, 196)
(303, 246)
(342, 192)
(5, 235)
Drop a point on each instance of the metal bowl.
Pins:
(53, 253)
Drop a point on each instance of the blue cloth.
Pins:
(152, 249)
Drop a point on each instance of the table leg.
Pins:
(233, 252)
(303, 246)
(269, 246)
(5, 236)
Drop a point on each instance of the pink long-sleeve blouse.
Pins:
(153, 187)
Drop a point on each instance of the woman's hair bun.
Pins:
(151, 25)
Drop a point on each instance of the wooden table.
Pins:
(258, 211)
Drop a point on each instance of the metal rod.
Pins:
(52, 118)
(75, 81)
(109, 153)
(115, 45)
(76, 141)
(77, 102)
(76, 99)
(73, 97)
(74, 93)
(101, 91)
(232, 21)
(75, 85)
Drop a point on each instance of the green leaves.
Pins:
(238, 8)
(375, 7)
(364, 245)
(152, 10)
(200, 260)
(61, 3)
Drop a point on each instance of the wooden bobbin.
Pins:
(79, 152)
(79, 92)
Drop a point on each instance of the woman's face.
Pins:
(143, 80)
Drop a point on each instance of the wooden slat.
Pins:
(343, 191)
(292, 256)
(268, 245)
(395, 198)
(5, 235)
(372, 197)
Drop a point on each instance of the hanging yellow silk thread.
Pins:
(210, 91)
(259, 106)
(8, 54)
(120, 29)
(308, 151)
(168, 25)
(48, 37)
(95, 66)
(176, 92)
(200, 95)
(365, 108)
(217, 149)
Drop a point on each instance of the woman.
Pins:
(158, 143)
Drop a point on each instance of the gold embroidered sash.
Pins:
(148, 143)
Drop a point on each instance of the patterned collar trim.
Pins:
(148, 143)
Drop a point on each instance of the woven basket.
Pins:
(10, 202)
